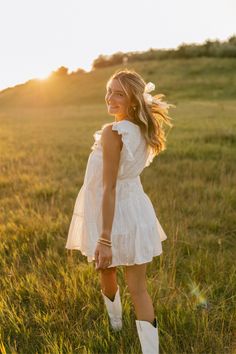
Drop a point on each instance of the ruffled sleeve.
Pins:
(150, 156)
(97, 138)
(123, 131)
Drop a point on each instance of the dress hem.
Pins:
(90, 259)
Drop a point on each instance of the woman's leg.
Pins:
(136, 281)
(111, 295)
(109, 282)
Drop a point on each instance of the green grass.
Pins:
(50, 300)
(181, 79)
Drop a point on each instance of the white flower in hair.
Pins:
(148, 88)
(149, 99)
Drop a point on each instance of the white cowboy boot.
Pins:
(114, 310)
(148, 336)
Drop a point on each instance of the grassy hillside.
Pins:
(49, 299)
(200, 78)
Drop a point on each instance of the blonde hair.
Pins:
(150, 118)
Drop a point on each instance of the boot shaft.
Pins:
(114, 309)
(148, 336)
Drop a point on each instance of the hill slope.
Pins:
(199, 78)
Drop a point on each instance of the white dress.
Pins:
(136, 232)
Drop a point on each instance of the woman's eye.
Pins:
(109, 92)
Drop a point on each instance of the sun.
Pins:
(43, 74)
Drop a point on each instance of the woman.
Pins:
(114, 222)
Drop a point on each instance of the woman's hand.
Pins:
(103, 256)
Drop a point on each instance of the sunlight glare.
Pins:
(43, 74)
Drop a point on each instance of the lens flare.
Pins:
(200, 298)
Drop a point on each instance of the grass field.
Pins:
(49, 297)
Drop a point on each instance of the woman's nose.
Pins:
(109, 97)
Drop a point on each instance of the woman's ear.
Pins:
(133, 103)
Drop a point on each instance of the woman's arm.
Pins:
(111, 145)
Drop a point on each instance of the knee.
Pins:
(136, 290)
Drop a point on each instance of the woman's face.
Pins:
(116, 100)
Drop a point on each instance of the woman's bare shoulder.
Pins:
(106, 125)
(110, 136)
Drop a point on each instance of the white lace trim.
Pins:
(150, 157)
(121, 130)
(97, 138)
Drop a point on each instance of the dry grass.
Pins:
(49, 300)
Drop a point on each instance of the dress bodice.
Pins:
(135, 154)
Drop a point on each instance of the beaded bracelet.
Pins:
(104, 239)
(104, 243)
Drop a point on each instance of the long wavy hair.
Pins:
(150, 117)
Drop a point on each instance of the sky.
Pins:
(37, 37)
